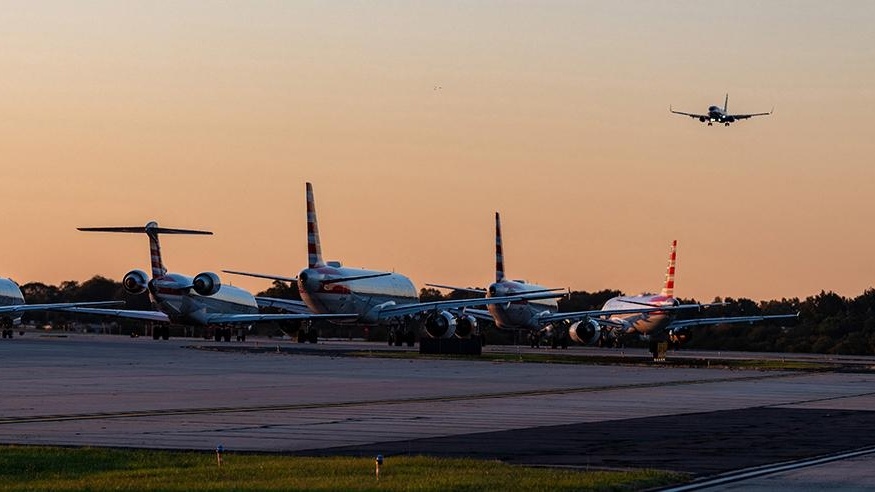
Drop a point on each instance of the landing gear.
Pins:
(726, 124)
(160, 332)
(307, 333)
(534, 339)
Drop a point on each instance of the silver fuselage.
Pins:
(174, 297)
(363, 297)
(642, 324)
(10, 295)
(519, 315)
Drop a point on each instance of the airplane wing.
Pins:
(478, 313)
(746, 116)
(122, 313)
(691, 115)
(421, 307)
(598, 315)
(290, 305)
(21, 308)
(736, 319)
(252, 318)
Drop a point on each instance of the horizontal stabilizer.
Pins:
(144, 230)
(461, 289)
(262, 275)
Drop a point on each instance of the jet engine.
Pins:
(206, 284)
(135, 282)
(729, 120)
(440, 325)
(466, 326)
(587, 332)
(679, 336)
(702, 119)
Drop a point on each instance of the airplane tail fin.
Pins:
(668, 287)
(152, 230)
(726, 103)
(314, 248)
(499, 254)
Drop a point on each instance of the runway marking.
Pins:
(386, 401)
(741, 475)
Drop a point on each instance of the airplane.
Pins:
(655, 327)
(13, 305)
(372, 297)
(201, 300)
(540, 317)
(716, 114)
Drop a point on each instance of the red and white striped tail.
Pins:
(158, 269)
(668, 288)
(499, 253)
(314, 249)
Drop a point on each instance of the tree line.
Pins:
(828, 323)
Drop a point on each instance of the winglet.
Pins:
(668, 287)
(499, 254)
(314, 248)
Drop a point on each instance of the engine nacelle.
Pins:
(135, 282)
(440, 325)
(587, 332)
(702, 119)
(466, 326)
(206, 284)
(679, 336)
(730, 120)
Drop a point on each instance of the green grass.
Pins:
(50, 468)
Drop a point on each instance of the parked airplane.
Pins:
(539, 317)
(716, 114)
(372, 297)
(12, 306)
(201, 300)
(652, 326)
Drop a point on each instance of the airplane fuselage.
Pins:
(174, 297)
(10, 295)
(642, 324)
(519, 315)
(363, 297)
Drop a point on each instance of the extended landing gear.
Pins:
(161, 332)
(307, 333)
(400, 334)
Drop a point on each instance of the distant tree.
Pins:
(282, 290)
(430, 294)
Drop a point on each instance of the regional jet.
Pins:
(201, 300)
(372, 297)
(716, 114)
(12, 306)
(539, 317)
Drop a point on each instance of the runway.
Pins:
(115, 391)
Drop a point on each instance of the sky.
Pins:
(416, 121)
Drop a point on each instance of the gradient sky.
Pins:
(214, 114)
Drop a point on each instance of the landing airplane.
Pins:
(716, 114)
(372, 297)
(201, 300)
(12, 306)
(539, 317)
(650, 326)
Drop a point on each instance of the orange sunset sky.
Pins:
(214, 114)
